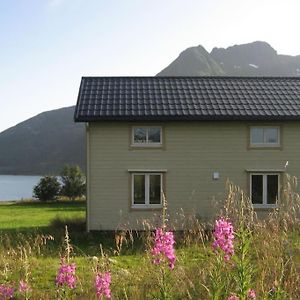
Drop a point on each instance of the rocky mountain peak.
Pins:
(253, 54)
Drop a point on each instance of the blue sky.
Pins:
(47, 45)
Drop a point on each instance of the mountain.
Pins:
(194, 61)
(253, 59)
(43, 144)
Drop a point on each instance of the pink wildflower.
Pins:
(66, 275)
(233, 297)
(164, 247)
(223, 237)
(251, 294)
(24, 287)
(6, 292)
(102, 284)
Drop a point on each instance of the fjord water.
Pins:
(16, 187)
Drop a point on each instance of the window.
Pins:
(147, 136)
(265, 136)
(146, 190)
(264, 189)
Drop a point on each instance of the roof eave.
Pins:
(184, 118)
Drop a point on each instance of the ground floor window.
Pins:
(264, 189)
(147, 190)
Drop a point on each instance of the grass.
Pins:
(21, 222)
(32, 215)
(37, 229)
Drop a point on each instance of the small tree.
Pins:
(73, 182)
(47, 189)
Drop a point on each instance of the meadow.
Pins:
(237, 257)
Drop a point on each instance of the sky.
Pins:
(46, 46)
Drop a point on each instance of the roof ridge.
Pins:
(193, 77)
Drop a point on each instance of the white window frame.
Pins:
(147, 190)
(147, 143)
(265, 144)
(265, 204)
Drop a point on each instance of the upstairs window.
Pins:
(264, 189)
(265, 136)
(147, 136)
(146, 190)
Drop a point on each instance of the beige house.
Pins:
(185, 136)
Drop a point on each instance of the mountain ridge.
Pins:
(252, 59)
(44, 143)
(37, 147)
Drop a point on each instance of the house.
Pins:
(185, 136)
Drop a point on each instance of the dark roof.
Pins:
(188, 98)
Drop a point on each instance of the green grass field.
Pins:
(37, 215)
(38, 229)
(24, 221)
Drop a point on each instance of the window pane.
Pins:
(139, 189)
(140, 135)
(257, 135)
(154, 135)
(271, 135)
(155, 189)
(272, 189)
(257, 189)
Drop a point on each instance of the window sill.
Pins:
(147, 171)
(265, 146)
(264, 206)
(146, 145)
(146, 207)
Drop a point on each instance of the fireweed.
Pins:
(223, 238)
(6, 292)
(164, 241)
(24, 288)
(164, 248)
(102, 276)
(102, 285)
(66, 278)
(240, 268)
(251, 294)
(224, 249)
(163, 253)
(66, 275)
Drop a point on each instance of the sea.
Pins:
(16, 187)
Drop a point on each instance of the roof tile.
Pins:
(188, 98)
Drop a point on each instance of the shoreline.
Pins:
(23, 200)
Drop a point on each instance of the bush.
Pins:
(47, 189)
(73, 182)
